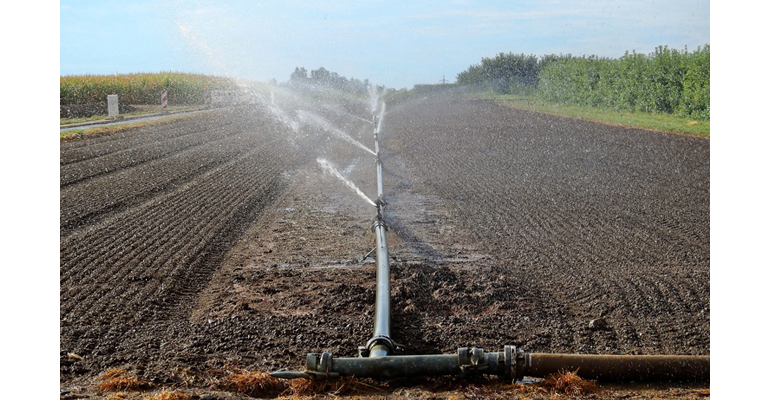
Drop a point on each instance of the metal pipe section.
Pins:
(376, 139)
(380, 345)
(465, 362)
(379, 162)
(620, 368)
(509, 364)
(380, 192)
(390, 366)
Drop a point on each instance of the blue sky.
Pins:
(392, 43)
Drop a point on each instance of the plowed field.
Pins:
(218, 240)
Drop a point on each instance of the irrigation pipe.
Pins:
(379, 359)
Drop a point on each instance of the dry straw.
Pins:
(570, 383)
(169, 395)
(116, 379)
(252, 383)
(338, 387)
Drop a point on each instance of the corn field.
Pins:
(667, 80)
(140, 88)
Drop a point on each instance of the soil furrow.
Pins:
(77, 172)
(506, 227)
(81, 150)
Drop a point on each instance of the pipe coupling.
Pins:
(379, 223)
(320, 366)
(472, 361)
(505, 364)
(381, 340)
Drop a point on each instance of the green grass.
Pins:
(86, 132)
(654, 121)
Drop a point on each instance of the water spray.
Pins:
(328, 167)
(382, 357)
(309, 117)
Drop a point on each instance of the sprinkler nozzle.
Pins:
(284, 374)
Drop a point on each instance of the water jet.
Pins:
(328, 167)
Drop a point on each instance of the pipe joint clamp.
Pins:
(381, 340)
(472, 361)
(320, 366)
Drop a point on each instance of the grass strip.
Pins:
(86, 132)
(141, 110)
(655, 121)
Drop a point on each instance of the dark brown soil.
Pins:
(218, 241)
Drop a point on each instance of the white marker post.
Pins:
(112, 106)
(164, 100)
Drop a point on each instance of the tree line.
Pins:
(324, 77)
(666, 80)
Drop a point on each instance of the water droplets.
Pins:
(311, 118)
(330, 169)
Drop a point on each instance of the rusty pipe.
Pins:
(618, 368)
